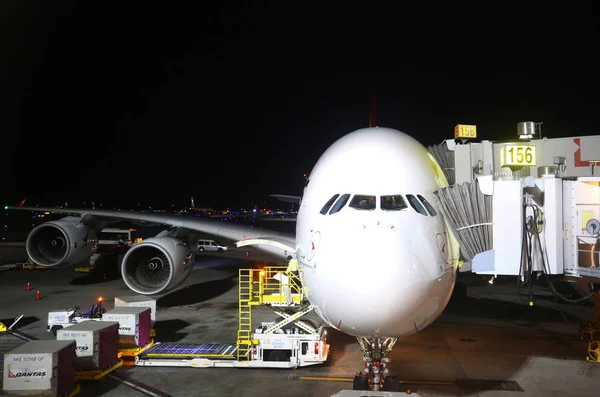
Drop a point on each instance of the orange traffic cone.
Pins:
(28, 288)
(37, 295)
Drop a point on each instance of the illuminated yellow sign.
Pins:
(517, 156)
(465, 131)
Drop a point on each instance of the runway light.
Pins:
(6, 207)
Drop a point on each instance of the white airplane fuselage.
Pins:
(375, 272)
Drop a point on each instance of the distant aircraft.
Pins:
(376, 258)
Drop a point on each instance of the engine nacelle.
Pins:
(157, 265)
(61, 243)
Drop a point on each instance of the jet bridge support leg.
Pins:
(375, 352)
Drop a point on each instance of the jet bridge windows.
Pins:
(329, 203)
(414, 202)
(392, 203)
(427, 205)
(363, 202)
(339, 204)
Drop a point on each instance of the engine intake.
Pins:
(157, 265)
(61, 243)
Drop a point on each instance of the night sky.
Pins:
(152, 103)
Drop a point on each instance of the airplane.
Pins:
(375, 257)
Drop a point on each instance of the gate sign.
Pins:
(465, 131)
(517, 156)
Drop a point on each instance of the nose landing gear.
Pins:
(374, 376)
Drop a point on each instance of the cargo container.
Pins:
(138, 301)
(97, 343)
(40, 367)
(134, 325)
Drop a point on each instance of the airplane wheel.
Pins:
(390, 383)
(361, 382)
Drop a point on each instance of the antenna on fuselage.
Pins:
(372, 120)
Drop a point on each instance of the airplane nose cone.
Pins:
(388, 288)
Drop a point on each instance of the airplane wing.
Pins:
(276, 243)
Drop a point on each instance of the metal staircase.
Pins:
(273, 286)
(244, 337)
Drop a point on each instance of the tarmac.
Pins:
(488, 342)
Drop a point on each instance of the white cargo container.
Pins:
(134, 325)
(97, 343)
(40, 367)
(137, 301)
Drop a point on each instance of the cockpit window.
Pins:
(328, 204)
(362, 202)
(416, 204)
(427, 205)
(392, 203)
(339, 204)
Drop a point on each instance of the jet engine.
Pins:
(61, 243)
(157, 265)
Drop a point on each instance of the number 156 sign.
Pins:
(465, 131)
(517, 155)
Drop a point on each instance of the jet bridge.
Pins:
(537, 195)
(527, 208)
